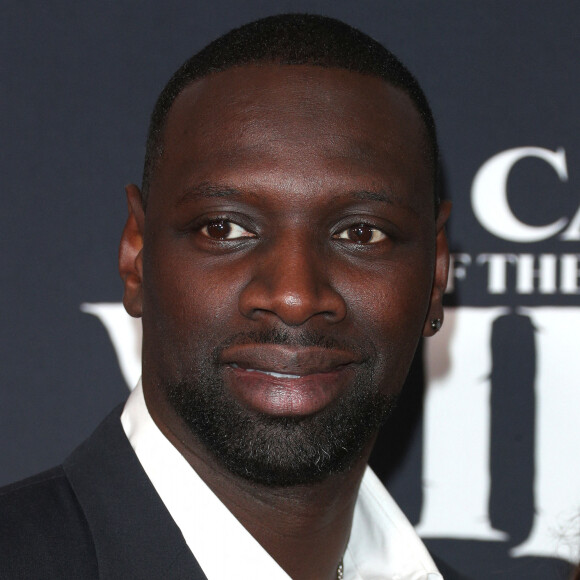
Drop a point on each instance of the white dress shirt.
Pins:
(383, 545)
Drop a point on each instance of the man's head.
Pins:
(289, 259)
(300, 39)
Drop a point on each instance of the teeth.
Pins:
(271, 373)
(280, 375)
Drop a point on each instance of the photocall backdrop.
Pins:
(484, 454)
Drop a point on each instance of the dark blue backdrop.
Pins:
(78, 82)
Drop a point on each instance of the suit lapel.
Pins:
(133, 533)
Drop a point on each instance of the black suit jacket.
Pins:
(96, 516)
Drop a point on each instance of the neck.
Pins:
(305, 528)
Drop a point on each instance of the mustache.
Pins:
(303, 338)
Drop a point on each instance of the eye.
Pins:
(361, 234)
(224, 230)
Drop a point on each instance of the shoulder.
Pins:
(37, 506)
(43, 532)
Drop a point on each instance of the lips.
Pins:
(269, 373)
(285, 380)
(287, 359)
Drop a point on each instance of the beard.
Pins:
(274, 450)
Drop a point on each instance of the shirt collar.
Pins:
(383, 545)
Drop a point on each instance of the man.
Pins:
(286, 253)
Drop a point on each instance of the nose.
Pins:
(290, 281)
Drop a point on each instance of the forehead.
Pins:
(302, 123)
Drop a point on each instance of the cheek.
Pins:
(393, 299)
(389, 310)
(186, 296)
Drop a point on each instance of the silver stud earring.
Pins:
(436, 324)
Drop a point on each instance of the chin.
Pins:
(276, 450)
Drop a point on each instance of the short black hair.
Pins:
(289, 39)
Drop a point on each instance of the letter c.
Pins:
(489, 195)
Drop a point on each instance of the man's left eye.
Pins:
(361, 234)
(224, 230)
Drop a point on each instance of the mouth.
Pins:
(269, 373)
(287, 381)
(287, 360)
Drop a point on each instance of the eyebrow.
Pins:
(381, 195)
(365, 195)
(206, 190)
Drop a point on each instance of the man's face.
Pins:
(288, 261)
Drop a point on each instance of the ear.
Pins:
(441, 272)
(131, 253)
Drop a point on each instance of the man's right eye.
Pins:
(224, 230)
